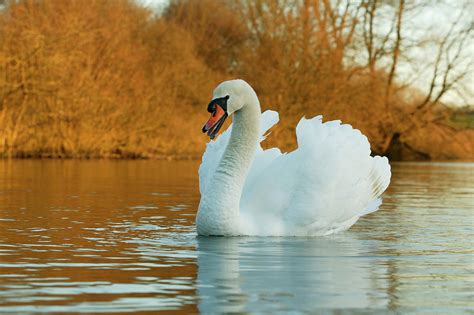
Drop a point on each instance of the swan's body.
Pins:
(322, 187)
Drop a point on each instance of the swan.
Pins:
(322, 187)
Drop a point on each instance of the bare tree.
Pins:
(452, 64)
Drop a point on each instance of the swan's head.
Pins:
(227, 98)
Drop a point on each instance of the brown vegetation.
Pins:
(98, 78)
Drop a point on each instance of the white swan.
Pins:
(322, 187)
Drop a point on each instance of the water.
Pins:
(119, 236)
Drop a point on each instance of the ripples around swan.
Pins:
(119, 236)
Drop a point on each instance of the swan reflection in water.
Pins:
(283, 274)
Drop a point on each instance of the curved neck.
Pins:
(219, 208)
(240, 151)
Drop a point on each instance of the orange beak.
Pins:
(215, 122)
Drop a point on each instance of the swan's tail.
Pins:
(379, 175)
(379, 178)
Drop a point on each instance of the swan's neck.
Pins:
(219, 209)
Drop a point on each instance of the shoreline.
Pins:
(172, 158)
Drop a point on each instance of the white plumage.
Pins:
(320, 188)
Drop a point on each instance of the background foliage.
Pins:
(98, 78)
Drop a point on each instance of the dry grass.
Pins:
(98, 78)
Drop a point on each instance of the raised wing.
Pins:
(322, 187)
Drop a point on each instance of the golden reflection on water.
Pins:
(86, 233)
(110, 236)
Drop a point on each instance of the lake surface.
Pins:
(119, 236)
